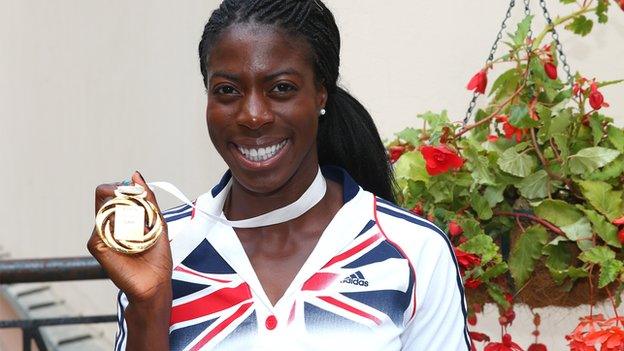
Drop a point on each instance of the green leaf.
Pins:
(535, 185)
(525, 252)
(558, 212)
(519, 117)
(616, 137)
(480, 168)
(597, 255)
(494, 195)
(602, 198)
(605, 230)
(522, 31)
(581, 25)
(601, 11)
(595, 123)
(520, 165)
(471, 226)
(613, 170)
(481, 206)
(411, 165)
(609, 271)
(441, 191)
(567, 1)
(560, 123)
(506, 80)
(557, 262)
(494, 271)
(589, 159)
(410, 135)
(579, 230)
(497, 294)
(482, 245)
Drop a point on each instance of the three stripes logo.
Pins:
(356, 278)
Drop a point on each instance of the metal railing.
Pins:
(49, 270)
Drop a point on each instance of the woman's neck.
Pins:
(243, 203)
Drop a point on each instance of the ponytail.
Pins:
(348, 138)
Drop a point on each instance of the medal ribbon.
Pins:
(312, 196)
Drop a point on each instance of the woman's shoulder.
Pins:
(416, 234)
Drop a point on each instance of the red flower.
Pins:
(621, 3)
(478, 82)
(576, 89)
(455, 229)
(621, 236)
(417, 210)
(472, 283)
(479, 336)
(611, 339)
(551, 70)
(509, 130)
(466, 260)
(537, 347)
(472, 320)
(396, 152)
(618, 221)
(596, 99)
(506, 345)
(492, 138)
(440, 159)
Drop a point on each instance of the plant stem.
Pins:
(558, 21)
(553, 228)
(494, 114)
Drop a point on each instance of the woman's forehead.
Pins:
(258, 48)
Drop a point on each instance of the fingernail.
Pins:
(140, 175)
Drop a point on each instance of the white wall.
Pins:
(92, 90)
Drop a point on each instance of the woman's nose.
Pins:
(255, 112)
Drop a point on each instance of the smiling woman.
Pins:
(343, 263)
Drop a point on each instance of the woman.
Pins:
(353, 270)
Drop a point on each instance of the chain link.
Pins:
(555, 36)
(527, 12)
(499, 36)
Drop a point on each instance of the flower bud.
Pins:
(551, 70)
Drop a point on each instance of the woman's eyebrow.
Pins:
(282, 72)
(225, 75)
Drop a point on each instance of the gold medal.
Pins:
(133, 214)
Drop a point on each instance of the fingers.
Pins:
(137, 178)
(103, 193)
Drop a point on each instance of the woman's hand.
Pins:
(143, 277)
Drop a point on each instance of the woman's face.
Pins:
(263, 105)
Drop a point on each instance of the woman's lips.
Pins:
(260, 157)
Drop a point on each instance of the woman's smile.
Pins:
(260, 156)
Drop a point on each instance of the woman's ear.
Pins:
(321, 96)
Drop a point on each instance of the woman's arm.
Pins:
(148, 323)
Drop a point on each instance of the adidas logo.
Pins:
(356, 278)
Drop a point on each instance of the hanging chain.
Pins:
(488, 62)
(527, 12)
(555, 36)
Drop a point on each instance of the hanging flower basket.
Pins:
(530, 188)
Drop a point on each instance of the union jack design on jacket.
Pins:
(379, 278)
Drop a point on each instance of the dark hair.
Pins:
(347, 136)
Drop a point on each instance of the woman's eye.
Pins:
(225, 90)
(282, 88)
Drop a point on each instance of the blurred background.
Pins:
(92, 90)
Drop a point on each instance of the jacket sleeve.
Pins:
(440, 319)
(122, 329)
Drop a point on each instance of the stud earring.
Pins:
(323, 112)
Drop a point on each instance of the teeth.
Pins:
(261, 154)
